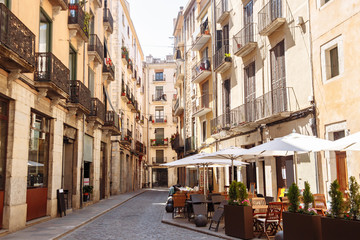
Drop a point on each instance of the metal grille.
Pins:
(243, 37)
(80, 94)
(271, 11)
(202, 65)
(95, 45)
(50, 69)
(16, 36)
(108, 18)
(97, 109)
(77, 16)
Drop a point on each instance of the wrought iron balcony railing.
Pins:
(159, 98)
(140, 147)
(162, 119)
(271, 16)
(220, 58)
(159, 160)
(177, 143)
(109, 68)
(95, 45)
(97, 109)
(77, 18)
(159, 142)
(80, 94)
(243, 39)
(159, 78)
(15, 36)
(200, 67)
(202, 102)
(222, 10)
(190, 144)
(112, 120)
(50, 69)
(108, 19)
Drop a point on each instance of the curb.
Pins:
(95, 217)
(192, 229)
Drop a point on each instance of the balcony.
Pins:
(124, 55)
(202, 38)
(76, 22)
(140, 148)
(112, 123)
(158, 160)
(130, 66)
(222, 59)
(271, 17)
(179, 78)
(178, 107)
(159, 142)
(276, 105)
(131, 102)
(202, 105)
(138, 82)
(80, 97)
(177, 143)
(51, 76)
(190, 144)
(201, 70)
(162, 119)
(159, 78)
(136, 106)
(108, 69)
(108, 21)
(222, 11)
(125, 92)
(134, 75)
(97, 111)
(61, 4)
(126, 137)
(244, 41)
(161, 98)
(17, 43)
(95, 49)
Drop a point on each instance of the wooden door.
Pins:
(341, 170)
(250, 94)
(248, 19)
(226, 102)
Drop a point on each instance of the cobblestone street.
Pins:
(139, 218)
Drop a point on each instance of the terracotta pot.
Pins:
(239, 221)
(299, 226)
(335, 229)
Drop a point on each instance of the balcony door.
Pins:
(226, 39)
(226, 102)
(159, 92)
(205, 95)
(276, 9)
(159, 114)
(250, 93)
(278, 79)
(159, 135)
(44, 33)
(159, 156)
(248, 19)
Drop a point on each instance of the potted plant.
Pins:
(338, 223)
(227, 57)
(297, 216)
(238, 214)
(87, 190)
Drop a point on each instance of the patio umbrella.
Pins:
(195, 160)
(231, 153)
(291, 144)
(348, 143)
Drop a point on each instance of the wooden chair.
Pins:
(259, 206)
(319, 203)
(285, 201)
(272, 222)
(179, 203)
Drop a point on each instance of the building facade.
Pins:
(129, 156)
(56, 122)
(335, 62)
(161, 94)
(248, 80)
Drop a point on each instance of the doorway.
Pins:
(67, 170)
(160, 177)
(284, 171)
(102, 169)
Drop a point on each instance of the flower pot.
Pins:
(335, 229)
(227, 59)
(86, 197)
(239, 221)
(310, 226)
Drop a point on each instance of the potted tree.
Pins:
(297, 216)
(338, 223)
(87, 190)
(238, 214)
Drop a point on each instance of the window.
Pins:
(250, 93)
(45, 33)
(159, 114)
(38, 151)
(159, 76)
(6, 2)
(72, 63)
(332, 62)
(159, 135)
(203, 131)
(159, 156)
(159, 92)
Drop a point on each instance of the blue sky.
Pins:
(153, 20)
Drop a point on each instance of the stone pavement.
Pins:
(58, 227)
(139, 218)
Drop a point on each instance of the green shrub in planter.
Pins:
(354, 198)
(293, 196)
(307, 197)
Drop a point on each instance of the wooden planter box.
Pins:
(299, 226)
(335, 229)
(239, 221)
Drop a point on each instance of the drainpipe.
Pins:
(314, 123)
